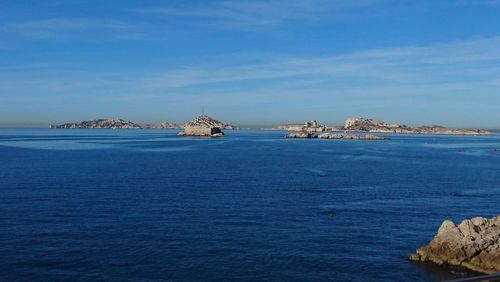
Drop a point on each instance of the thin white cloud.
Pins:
(409, 64)
(429, 70)
(55, 27)
(257, 14)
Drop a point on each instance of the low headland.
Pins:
(473, 244)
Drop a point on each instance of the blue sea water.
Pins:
(146, 205)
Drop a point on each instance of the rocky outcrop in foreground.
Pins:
(206, 121)
(307, 135)
(100, 123)
(474, 244)
(372, 125)
(310, 126)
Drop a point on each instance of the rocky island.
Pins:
(205, 126)
(206, 121)
(163, 125)
(309, 126)
(372, 125)
(100, 123)
(329, 135)
(473, 244)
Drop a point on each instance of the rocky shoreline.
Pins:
(206, 121)
(309, 126)
(100, 123)
(202, 121)
(377, 126)
(306, 135)
(473, 244)
(350, 125)
(372, 125)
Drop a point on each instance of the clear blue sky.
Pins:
(260, 62)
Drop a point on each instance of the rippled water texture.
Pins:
(128, 205)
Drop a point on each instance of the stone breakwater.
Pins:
(473, 244)
(307, 135)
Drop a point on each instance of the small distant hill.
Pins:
(100, 123)
(163, 125)
(372, 125)
(309, 126)
(206, 121)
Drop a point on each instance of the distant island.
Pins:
(329, 135)
(206, 121)
(377, 126)
(202, 120)
(309, 126)
(372, 125)
(100, 123)
(205, 126)
(351, 125)
(163, 125)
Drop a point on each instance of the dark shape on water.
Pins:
(328, 213)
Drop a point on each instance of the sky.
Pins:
(250, 63)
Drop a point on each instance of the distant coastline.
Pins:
(118, 123)
(377, 126)
(350, 125)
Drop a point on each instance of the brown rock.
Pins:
(474, 244)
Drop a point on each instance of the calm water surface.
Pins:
(146, 205)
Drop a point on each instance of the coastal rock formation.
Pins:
(204, 126)
(163, 125)
(329, 135)
(206, 121)
(301, 135)
(436, 129)
(352, 137)
(372, 125)
(474, 244)
(100, 123)
(310, 126)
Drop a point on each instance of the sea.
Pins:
(147, 205)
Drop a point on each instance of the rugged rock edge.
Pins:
(473, 244)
